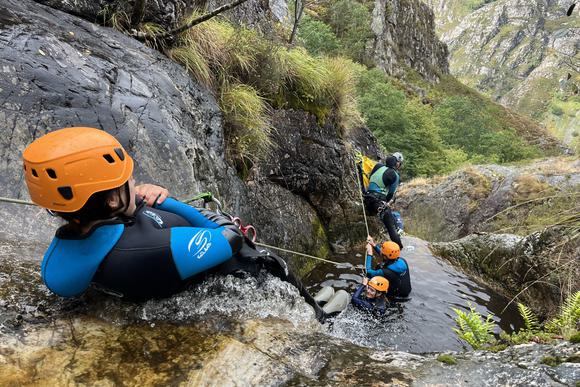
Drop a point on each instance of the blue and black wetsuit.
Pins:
(396, 271)
(154, 254)
(376, 305)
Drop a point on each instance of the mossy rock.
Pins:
(552, 361)
(575, 338)
(447, 359)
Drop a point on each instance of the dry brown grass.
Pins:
(479, 184)
(557, 166)
(528, 187)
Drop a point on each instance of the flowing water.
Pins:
(422, 324)
(258, 330)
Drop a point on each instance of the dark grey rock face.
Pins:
(405, 36)
(314, 163)
(167, 13)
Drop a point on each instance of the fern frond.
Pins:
(530, 319)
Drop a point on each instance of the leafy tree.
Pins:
(405, 125)
(468, 126)
(318, 37)
(351, 23)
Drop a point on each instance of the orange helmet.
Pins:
(380, 284)
(390, 250)
(65, 167)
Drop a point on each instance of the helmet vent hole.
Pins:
(65, 192)
(51, 173)
(120, 153)
(34, 172)
(109, 158)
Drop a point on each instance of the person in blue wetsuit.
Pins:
(394, 268)
(113, 241)
(380, 194)
(371, 295)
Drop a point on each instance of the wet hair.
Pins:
(96, 208)
(391, 161)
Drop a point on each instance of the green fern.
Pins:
(530, 319)
(473, 328)
(566, 323)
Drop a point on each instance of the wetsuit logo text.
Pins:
(200, 244)
(156, 218)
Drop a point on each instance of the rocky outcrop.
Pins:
(521, 53)
(537, 201)
(169, 14)
(405, 38)
(472, 199)
(539, 270)
(58, 71)
(255, 352)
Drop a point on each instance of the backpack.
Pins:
(365, 166)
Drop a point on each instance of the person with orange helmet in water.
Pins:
(132, 242)
(374, 297)
(394, 268)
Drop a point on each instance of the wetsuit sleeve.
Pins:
(358, 301)
(389, 180)
(370, 272)
(197, 218)
(195, 249)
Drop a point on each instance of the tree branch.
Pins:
(200, 19)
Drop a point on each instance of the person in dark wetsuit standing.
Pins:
(113, 241)
(394, 268)
(380, 194)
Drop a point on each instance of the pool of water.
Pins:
(425, 322)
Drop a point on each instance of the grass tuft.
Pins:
(247, 115)
(194, 62)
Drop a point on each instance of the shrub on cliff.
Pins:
(318, 37)
(251, 74)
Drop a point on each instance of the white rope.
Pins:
(364, 214)
(294, 252)
(361, 197)
(16, 201)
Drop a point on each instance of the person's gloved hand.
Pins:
(369, 249)
(371, 241)
(152, 193)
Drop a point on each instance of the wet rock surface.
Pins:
(225, 331)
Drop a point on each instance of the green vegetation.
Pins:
(552, 361)
(252, 75)
(477, 332)
(351, 23)
(447, 359)
(438, 126)
(451, 126)
(473, 328)
(318, 37)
